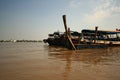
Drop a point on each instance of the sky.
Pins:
(35, 19)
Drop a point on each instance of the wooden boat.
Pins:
(86, 39)
(110, 38)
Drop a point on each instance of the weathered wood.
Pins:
(65, 24)
(67, 34)
(70, 40)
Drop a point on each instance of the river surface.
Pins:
(38, 61)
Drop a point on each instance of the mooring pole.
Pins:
(96, 29)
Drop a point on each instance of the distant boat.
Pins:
(86, 39)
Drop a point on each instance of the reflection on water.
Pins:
(38, 61)
(87, 58)
(90, 56)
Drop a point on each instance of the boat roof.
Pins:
(100, 31)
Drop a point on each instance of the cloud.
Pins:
(116, 9)
(96, 17)
(103, 10)
(74, 3)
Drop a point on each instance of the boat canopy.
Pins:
(75, 33)
(87, 31)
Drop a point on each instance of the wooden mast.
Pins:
(67, 34)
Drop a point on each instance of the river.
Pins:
(39, 61)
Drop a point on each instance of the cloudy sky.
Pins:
(35, 19)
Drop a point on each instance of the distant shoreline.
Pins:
(20, 40)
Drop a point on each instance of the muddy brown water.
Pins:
(38, 61)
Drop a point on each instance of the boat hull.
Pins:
(90, 46)
(65, 43)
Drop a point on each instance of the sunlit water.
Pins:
(38, 61)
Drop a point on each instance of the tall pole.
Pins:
(65, 24)
(96, 29)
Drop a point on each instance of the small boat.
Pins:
(86, 39)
